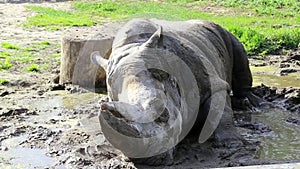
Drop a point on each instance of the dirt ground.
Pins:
(46, 125)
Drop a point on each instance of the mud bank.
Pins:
(49, 125)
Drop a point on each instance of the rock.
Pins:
(14, 112)
(4, 148)
(4, 93)
(40, 92)
(288, 70)
(260, 64)
(287, 98)
(296, 57)
(293, 120)
(293, 95)
(75, 89)
(284, 65)
(295, 109)
(57, 87)
(22, 83)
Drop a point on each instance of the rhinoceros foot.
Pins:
(250, 102)
(227, 138)
(258, 102)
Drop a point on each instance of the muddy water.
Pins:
(269, 76)
(282, 143)
(50, 116)
(61, 99)
(20, 157)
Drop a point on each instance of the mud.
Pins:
(47, 125)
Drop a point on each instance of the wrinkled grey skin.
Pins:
(218, 63)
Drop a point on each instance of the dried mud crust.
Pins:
(72, 136)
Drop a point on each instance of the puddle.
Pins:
(54, 103)
(90, 124)
(268, 75)
(285, 144)
(20, 157)
(62, 99)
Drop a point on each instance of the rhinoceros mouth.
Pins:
(135, 129)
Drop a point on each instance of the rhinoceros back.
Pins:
(198, 43)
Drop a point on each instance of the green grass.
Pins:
(38, 46)
(263, 26)
(278, 8)
(33, 68)
(25, 57)
(5, 65)
(4, 54)
(3, 81)
(6, 45)
(53, 18)
(40, 52)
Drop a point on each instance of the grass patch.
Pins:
(54, 18)
(6, 45)
(278, 8)
(5, 65)
(45, 66)
(33, 68)
(38, 46)
(272, 25)
(25, 57)
(3, 81)
(56, 55)
(45, 43)
(4, 54)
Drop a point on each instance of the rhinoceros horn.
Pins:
(97, 59)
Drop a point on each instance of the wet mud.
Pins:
(47, 125)
(59, 128)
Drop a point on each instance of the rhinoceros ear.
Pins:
(154, 40)
(97, 59)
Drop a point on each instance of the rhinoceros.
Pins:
(167, 80)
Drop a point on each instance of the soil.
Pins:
(47, 125)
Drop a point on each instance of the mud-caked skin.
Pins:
(137, 86)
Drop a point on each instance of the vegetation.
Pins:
(9, 46)
(6, 65)
(36, 52)
(38, 46)
(3, 81)
(263, 26)
(278, 8)
(33, 68)
(4, 54)
(25, 57)
(53, 18)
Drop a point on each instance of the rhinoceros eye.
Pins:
(159, 75)
(170, 84)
